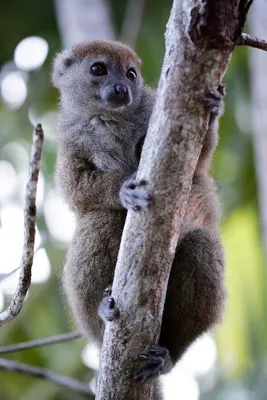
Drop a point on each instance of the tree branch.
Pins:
(65, 337)
(132, 21)
(41, 373)
(252, 41)
(29, 229)
(200, 38)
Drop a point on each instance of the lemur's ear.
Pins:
(62, 62)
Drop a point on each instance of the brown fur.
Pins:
(97, 152)
(116, 51)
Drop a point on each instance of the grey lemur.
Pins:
(104, 113)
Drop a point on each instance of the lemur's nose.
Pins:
(121, 91)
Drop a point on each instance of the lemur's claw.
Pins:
(213, 99)
(157, 362)
(134, 195)
(107, 309)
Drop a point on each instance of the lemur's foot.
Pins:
(107, 309)
(157, 362)
(134, 195)
(213, 99)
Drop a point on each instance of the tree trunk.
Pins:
(200, 38)
(81, 20)
(259, 115)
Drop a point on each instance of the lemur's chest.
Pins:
(114, 147)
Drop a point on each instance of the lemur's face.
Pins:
(104, 75)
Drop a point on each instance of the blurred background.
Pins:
(230, 364)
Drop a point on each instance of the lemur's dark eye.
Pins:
(99, 69)
(131, 74)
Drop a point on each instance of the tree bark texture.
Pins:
(200, 38)
(259, 116)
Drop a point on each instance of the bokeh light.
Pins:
(90, 356)
(92, 385)
(17, 154)
(201, 356)
(41, 268)
(14, 89)
(8, 181)
(31, 53)
(179, 384)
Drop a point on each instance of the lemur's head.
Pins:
(99, 75)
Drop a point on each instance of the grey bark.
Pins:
(200, 38)
(81, 20)
(252, 41)
(258, 61)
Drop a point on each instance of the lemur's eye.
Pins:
(99, 69)
(131, 74)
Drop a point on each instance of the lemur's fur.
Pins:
(104, 115)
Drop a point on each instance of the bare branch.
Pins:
(29, 229)
(41, 373)
(65, 337)
(200, 39)
(252, 41)
(132, 21)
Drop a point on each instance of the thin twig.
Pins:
(65, 337)
(132, 21)
(252, 41)
(29, 229)
(42, 373)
